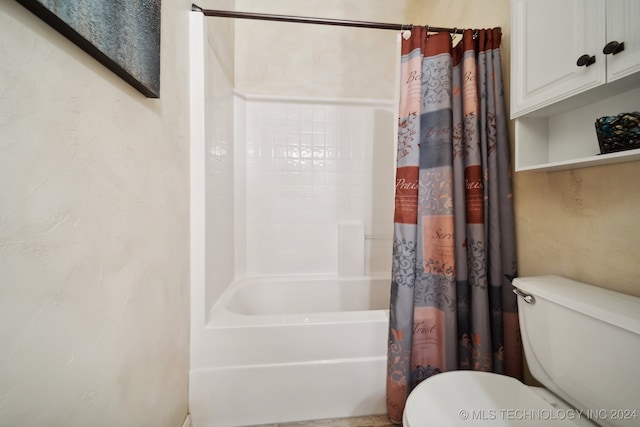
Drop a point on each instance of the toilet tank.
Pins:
(583, 343)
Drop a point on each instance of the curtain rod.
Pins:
(320, 21)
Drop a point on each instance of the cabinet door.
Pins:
(623, 25)
(548, 37)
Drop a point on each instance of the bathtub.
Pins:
(293, 348)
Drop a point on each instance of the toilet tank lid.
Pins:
(606, 305)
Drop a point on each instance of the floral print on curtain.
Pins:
(454, 241)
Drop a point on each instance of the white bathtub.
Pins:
(293, 348)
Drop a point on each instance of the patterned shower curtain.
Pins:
(454, 241)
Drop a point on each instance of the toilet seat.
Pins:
(473, 398)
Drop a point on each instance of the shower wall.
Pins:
(312, 165)
(299, 139)
(220, 215)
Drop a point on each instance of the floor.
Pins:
(373, 421)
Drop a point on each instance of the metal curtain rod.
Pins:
(320, 21)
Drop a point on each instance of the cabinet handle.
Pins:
(613, 48)
(585, 61)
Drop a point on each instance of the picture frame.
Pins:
(123, 35)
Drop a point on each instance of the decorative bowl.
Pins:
(618, 133)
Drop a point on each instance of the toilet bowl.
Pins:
(581, 342)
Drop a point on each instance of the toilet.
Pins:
(581, 342)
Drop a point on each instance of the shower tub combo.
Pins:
(267, 348)
(293, 348)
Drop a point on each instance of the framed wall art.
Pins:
(124, 35)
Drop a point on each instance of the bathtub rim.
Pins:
(219, 316)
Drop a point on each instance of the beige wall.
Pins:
(316, 60)
(94, 253)
(581, 223)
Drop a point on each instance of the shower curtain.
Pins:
(454, 244)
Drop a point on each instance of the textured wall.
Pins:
(94, 251)
(316, 60)
(583, 224)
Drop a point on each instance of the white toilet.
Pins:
(581, 342)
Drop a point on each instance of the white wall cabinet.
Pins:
(562, 81)
(548, 37)
(623, 27)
